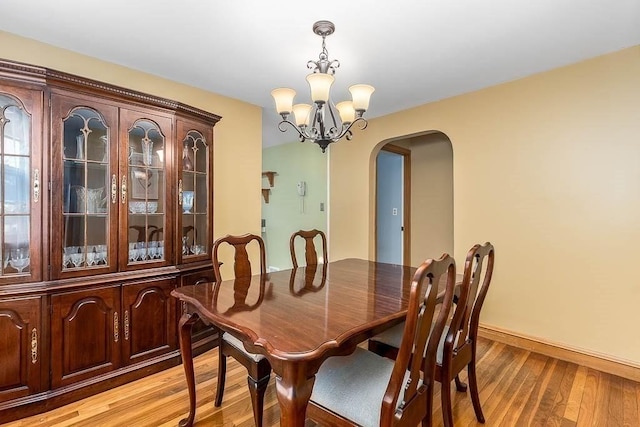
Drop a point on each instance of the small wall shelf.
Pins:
(265, 194)
(267, 191)
(270, 177)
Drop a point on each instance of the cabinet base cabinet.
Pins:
(20, 347)
(85, 334)
(143, 339)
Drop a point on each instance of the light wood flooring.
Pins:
(517, 388)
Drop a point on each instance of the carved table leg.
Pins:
(293, 390)
(186, 323)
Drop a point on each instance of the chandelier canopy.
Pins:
(319, 122)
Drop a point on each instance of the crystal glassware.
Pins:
(19, 259)
(187, 201)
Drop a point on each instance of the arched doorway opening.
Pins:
(427, 194)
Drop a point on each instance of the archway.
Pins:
(431, 194)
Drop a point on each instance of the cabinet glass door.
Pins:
(20, 187)
(84, 209)
(145, 193)
(194, 191)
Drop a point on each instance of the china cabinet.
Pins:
(106, 205)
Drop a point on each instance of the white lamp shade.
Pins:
(284, 99)
(361, 95)
(301, 113)
(347, 112)
(320, 84)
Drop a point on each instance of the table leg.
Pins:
(186, 323)
(294, 391)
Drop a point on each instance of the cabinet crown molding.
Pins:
(46, 76)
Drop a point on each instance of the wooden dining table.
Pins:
(297, 318)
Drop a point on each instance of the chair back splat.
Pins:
(310, 253)
(242, 264)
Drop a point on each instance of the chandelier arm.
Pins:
(301, 134)
(347, 131)
(333, 120)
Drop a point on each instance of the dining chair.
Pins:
(457, 348)
(366, 389)
(311, 255)
(258, 367)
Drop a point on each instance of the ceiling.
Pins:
(411, 51)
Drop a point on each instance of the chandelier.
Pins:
(318, 122)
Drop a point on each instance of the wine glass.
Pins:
(19, 259)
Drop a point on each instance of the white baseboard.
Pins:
(601, 362)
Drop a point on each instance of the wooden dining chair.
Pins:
(457, 348)
(310, 252)
(258, 367)
(366, 389)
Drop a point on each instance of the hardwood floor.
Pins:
(517, 388)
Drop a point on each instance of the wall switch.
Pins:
(395, 211)
(321, 207)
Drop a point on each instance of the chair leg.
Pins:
(428, 418)
(222, 374)
(473, 389)
(445, 396)
(460, 386)
(257, 390)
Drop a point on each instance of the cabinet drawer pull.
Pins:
(36, 185)
(126, 325)
(180, 192)
(34, 345)
(114, 189)
(123, 190)
(116, 333)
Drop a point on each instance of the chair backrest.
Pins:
(478, 269)
(242, 264)
(311, 256)
(406, 383)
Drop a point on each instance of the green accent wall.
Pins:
(286, 211)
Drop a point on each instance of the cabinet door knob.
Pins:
(34, 345)
(114, 189)
(126, 325)
(123, 190)
(36, 185)
(116, 331)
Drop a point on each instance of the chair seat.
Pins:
(353, 386)
(393, 337)
(236, 343)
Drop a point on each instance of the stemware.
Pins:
(77, 259)
(19, 259)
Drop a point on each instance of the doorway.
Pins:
(393, 182)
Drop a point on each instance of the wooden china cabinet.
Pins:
(106, 205)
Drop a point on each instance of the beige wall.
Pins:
(238, 136)
(548, 169)
(431, 197)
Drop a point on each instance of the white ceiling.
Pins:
(412, 51)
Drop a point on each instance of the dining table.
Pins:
(297, 318)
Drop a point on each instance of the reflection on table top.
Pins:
(296, 313)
